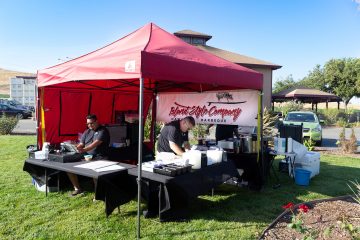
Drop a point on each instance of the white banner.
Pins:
(222, 107)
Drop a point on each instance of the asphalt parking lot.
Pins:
(331, 135)
(25, 126)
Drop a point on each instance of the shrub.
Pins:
(199, 131)
(354, 117)
(147, 127)
(7, 124)
(342, 122)
(356, 191)
(352, 142)
(269, 121)
(355, 124)
(347, 145)
(331, 115)
(291, 106)
(309, 144)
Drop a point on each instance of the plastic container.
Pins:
(226, 144)
(214, 156)
(194, 157)
(40, 155)
(247, 144)
(46, 149)
(41, 187)
(302, 177)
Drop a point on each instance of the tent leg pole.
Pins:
(261, 147)
(141, 126)
(37, 113)
(153, 122)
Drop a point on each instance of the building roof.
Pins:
(243, 60)
(26, 77)
(238, 58)
(304, 94)
(191, 33)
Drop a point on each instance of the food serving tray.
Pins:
(172, 169)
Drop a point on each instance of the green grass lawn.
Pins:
(232, 213)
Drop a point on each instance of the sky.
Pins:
(296, 34)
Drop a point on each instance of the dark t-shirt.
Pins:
(224, 131)
(101, 134)
(171, 132)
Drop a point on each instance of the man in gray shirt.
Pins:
(95, 141)
(174, 135)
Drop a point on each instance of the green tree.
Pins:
(315, 79)
(342, 77)
(282, 84)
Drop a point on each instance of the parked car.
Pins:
(15, 112)
(311, 124)
(15, 104)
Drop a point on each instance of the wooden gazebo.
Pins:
(305, 95)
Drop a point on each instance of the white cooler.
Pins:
(310, 162)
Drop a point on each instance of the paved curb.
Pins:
(23, 133)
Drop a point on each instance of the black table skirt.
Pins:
(114, 188)
(169, 197)
(252, 168)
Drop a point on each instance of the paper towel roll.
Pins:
(290, 145)
(281, 145)
(276, 144)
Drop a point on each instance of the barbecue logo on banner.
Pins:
(222, 107)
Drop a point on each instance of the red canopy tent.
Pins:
(98, 82)
(126, 75)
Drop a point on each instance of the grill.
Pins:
(306, 130)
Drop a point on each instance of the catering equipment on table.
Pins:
(226, 144)
(38, 155)
(171, 165)
(65, 157)
(43, 154)
(247, 130)
(214, 156)
(64, 153)
(246, 144)
(118, 134)
(67, 153)
(201, 156)
(67, 147)
(170, 169)
(195, 158)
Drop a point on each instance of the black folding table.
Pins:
(114, 187)
(169, 197)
